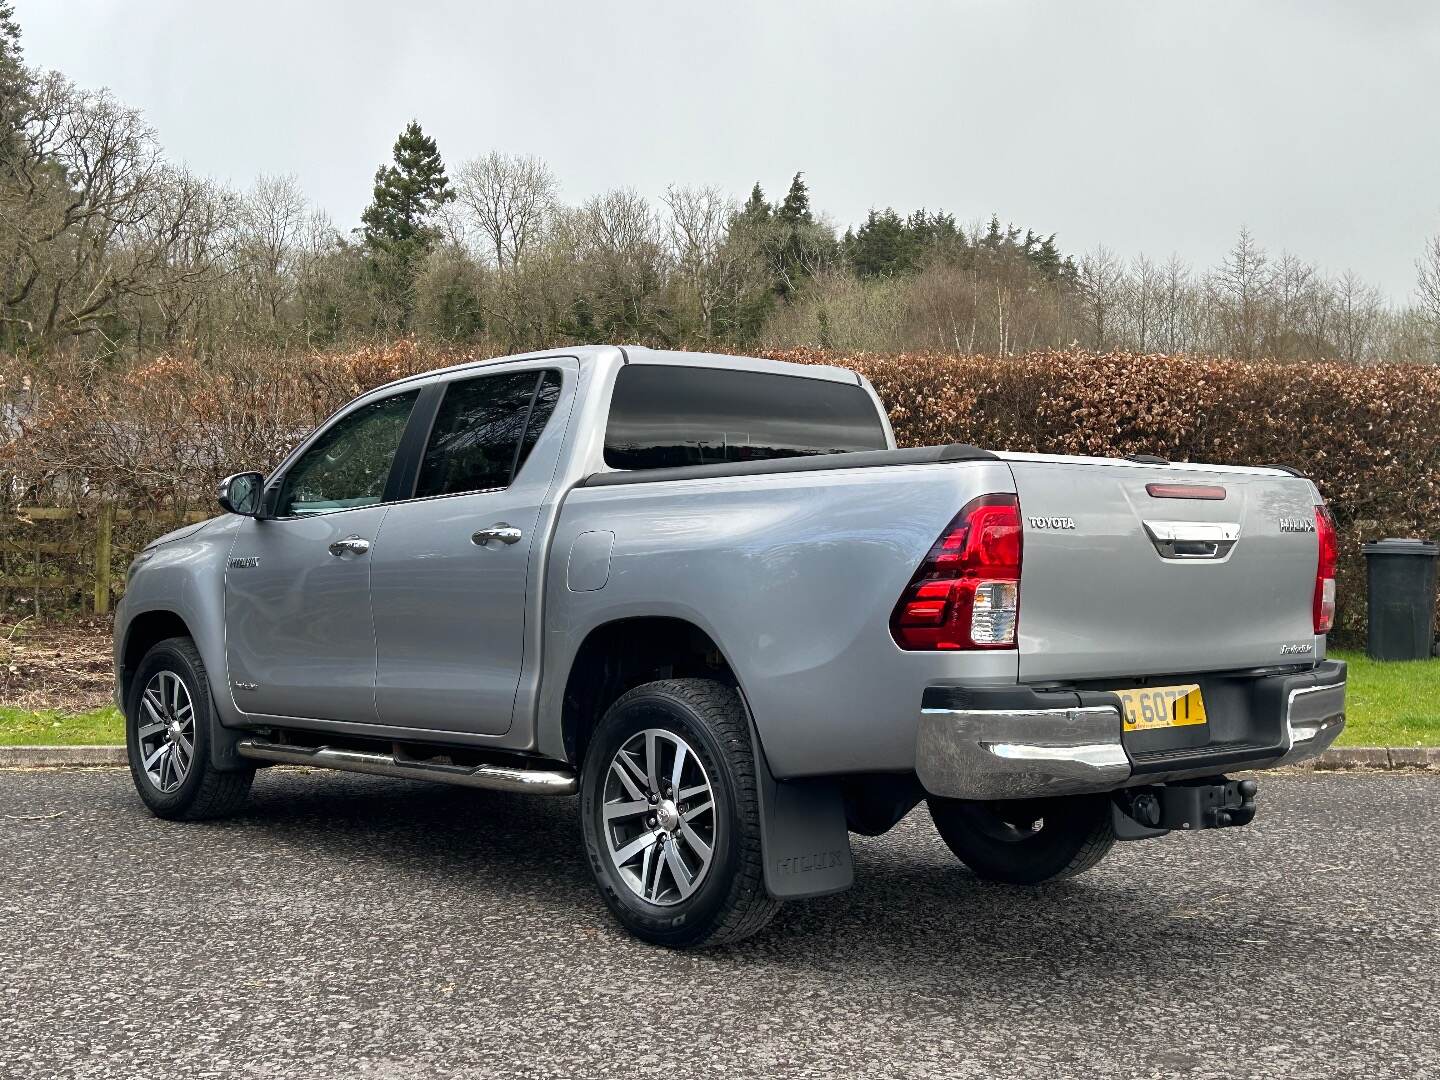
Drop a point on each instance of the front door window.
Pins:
(349, 464)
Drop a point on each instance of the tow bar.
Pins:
(1189, 805)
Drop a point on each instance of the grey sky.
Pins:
(1147, 126)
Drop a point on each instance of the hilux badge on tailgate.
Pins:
(1297, 524)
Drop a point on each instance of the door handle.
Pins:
(506, 534)
(351, 545)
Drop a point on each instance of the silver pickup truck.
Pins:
(708, 595)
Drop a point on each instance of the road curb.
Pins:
(39, 757)
(1344, 759)
(1375, 758)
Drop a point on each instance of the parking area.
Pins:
(353, 927)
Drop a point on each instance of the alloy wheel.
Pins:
(658, 817)
(166, 731)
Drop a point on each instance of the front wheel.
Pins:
(168, 722)
(670, 810)
(1026, 841)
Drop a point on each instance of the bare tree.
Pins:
(1101, 284)
(623, 260)
(1289, 323)
(509, 197)
(1242, 290)
(698, 228)
(1428, 289)
(1144, 296)
(1175, 289)
(92, 214)
(1357, 316)
(271, 223)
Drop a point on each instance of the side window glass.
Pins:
(349, 463)
(545, 399)
(484, 430)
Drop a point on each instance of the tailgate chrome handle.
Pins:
(1193, 539)
(351, 545)
(506, 534)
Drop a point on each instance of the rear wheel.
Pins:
(1026, 841)
(671, 815)
(168, 722)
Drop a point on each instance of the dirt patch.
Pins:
(56, 665)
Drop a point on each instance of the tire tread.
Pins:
(218, 794)
(748, 907)
(1091, 844)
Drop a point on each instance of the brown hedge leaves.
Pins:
(165, 432)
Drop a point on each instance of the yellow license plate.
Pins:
(1150, 707)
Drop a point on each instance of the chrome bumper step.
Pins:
(493, 777)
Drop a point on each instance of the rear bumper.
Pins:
(1014, 742)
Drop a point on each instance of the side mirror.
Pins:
(240, 494)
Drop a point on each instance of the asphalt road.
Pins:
(355, 927)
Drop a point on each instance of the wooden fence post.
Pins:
(104, 530)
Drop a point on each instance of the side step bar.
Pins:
(494, 777)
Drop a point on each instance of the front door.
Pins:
(299, 641)
(450, 569)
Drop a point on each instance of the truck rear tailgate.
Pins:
(1119, 580)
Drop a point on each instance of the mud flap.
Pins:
(223, 740)
(803, 834)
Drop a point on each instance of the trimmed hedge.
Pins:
(164, 433)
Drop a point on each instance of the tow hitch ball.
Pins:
(1209, 803)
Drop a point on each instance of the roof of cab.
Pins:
(636, 354)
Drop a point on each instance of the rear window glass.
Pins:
(485, 430)
(664, 416)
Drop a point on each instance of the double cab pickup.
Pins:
(708, 597)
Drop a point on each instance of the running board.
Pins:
(494, 777)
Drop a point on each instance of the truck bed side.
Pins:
(794, 574)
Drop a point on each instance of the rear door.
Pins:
(1208, 570)
(450, 571)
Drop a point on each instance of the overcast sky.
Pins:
(1146, 126)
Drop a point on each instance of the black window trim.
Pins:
(441, 386)
(405, 468)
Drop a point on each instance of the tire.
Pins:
(188, 787)
(1000, 841)
(727, 900)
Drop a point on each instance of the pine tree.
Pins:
(882, 247)
(756, 210)
(795, 210)
(406, 194)
(11, 56)
(398, 231)
(14, 82)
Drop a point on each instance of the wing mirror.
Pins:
(240, 494)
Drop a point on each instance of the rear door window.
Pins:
(663, 416)
(485, 430)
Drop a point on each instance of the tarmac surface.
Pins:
(348, 926)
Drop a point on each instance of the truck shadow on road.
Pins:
(913, 905)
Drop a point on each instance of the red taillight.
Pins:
(1329, 551)
(966, 594)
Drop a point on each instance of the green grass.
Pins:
(1391, 704)
(51, 727)
(1395, 704)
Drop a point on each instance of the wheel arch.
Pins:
(624, 653)
(144, 631)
